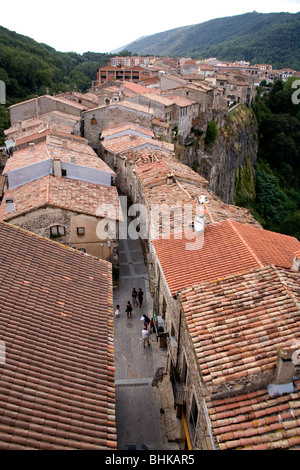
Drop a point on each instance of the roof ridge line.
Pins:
(286, 287)
(53, 242)
(245, 243)
(183, 189)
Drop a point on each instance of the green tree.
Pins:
(211, 133)
(271, 203)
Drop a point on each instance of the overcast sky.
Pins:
(99, 26)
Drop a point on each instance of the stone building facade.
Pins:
(69, 228)
(72, 212)
(98, 119)
(43, 105)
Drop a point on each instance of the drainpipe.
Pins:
(208, 422)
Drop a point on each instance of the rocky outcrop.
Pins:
(235, 146)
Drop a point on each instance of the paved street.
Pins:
(137, 406)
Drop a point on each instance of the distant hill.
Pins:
(256, 37)
(31, 68)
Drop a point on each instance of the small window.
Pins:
(82, 249)
(94, 121)
(193, 416)
(80, 231)
(63, 172)
(57, 231)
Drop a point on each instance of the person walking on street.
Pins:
(128, 309)
(141, 297)
(117, 312)
(146, 320)
(145, 336)
(134, 296)
(152, 326)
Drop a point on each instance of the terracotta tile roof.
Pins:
(181, 101)
(161, 123)
(133, 106)
(145, 155)
(22, 131)
(126, 127)
(238, 322)
(167, 179)
(164, 100)
(65, 193)
(129, 142)
(88, 97)
(42, 136)
(158, 171)
(138, 89)
(228, 249)
(53, 148)
(255, 421)
(56, 315)
(217, 210)
(270, 247)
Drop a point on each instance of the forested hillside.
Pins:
(256, 37)
(29, 68)
(277, 202)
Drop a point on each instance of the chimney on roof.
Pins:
(285, 368)
(170, 178)
(10, 205)
(296, 262)
(57, 170)
(31, 146)
(65, 144)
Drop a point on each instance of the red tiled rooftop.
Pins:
(229, 248)
(65, 193)
(138, 89)
(256, 421)
(152, 173)
(53, 148)
(237, 323)
(56, 316)
(146, 155)
(126, 128)
(270, 247)
(217, 210)
(129, 142)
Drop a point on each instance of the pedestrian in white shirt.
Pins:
(145, 336)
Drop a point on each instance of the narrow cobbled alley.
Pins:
(144, 412)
